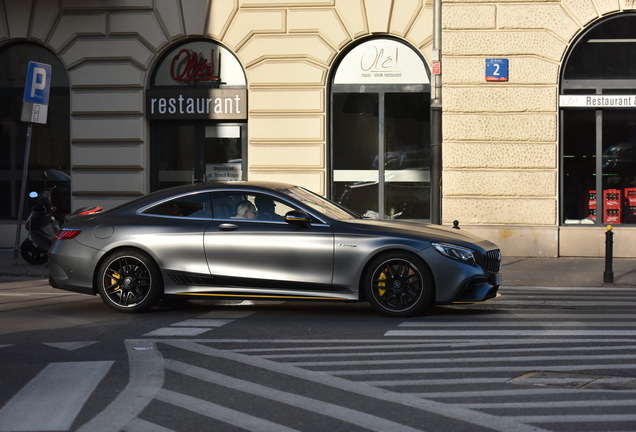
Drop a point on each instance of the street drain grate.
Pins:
(575, 381)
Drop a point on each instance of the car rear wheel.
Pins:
(129, 281)
(399, 284)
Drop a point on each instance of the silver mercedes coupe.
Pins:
(265, 240)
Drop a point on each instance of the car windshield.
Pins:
(318, 203)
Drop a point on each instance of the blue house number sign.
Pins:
(496, 69)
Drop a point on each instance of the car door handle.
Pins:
(228, 227)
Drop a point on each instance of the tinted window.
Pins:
(190, 206)
(607, 51)
(233, 205)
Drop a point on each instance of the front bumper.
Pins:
(478, 290)
(460, 282)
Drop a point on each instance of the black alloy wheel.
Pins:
(399, 284)
(129, 281)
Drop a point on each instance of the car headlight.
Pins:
(456, 252)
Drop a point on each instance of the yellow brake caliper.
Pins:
(382, 285)
(114, 280)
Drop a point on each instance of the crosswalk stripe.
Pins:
(508, 324)
(459, 361)
(367, 421)
(578, 418)
(70, 346)
(53, 398)
(139, 425)
(233, 417)
(492, 422)
(509, 333)
(486, 369)
(146, 379)
(199, 325)
(426, 351)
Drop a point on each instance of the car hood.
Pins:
(433, 233)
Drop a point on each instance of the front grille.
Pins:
(493, 261)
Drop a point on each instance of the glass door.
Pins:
(223, 153)
(193, 152)
(355, 157)
(407, 173)
(381, 152)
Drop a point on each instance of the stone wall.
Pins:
(500, 140)
(500, 149)
(286, 47)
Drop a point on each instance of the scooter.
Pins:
(43, 224)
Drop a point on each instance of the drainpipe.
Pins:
(436, 117)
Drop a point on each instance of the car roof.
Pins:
(162, 194)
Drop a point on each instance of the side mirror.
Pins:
(296, 216)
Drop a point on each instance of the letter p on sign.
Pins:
(38, 83)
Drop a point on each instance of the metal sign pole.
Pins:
(25, 172)
(35, 108)
(436, 117)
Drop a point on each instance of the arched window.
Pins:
(197, 106)
(380, 131)
(50, 142)
(598, 125)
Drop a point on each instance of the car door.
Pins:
(174, 231)
(267, 253)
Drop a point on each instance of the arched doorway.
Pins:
(598, 125)
(197, 104)
(380, 131)
(50, 143)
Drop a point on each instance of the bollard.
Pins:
(608, 275)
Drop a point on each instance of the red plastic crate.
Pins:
(612, 206)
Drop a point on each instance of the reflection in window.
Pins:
(579, 166)
(382, 173)
(607, 51)
(599, 143)
(196, 206)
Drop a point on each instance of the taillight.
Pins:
(67, 234)
(92, 210)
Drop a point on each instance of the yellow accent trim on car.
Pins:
(262, 296)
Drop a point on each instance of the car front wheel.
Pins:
(399, 284)
(129, 281)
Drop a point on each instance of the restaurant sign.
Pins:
(597, 101)
(196, 104)
(382, 61)
(196, 81)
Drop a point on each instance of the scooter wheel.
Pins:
(32, 254)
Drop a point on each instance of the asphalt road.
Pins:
(537, 358)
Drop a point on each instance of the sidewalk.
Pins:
(517, 271)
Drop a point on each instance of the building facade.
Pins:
(538, 108)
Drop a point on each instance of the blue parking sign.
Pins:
(496, 69)
(38, 83)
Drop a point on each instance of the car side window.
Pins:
(225, 203)
(195, 206)
(269, 208)
(249, 206)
